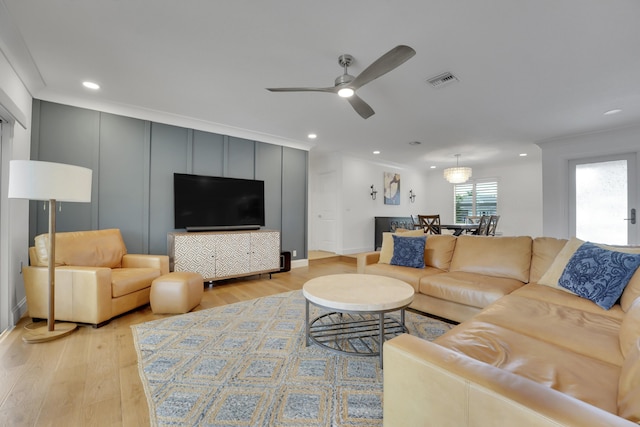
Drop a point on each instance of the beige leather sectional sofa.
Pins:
(95, 279)
(524, 354)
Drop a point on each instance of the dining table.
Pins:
(459, 228)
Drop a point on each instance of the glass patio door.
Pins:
(603, 199)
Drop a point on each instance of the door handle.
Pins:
(633, 216)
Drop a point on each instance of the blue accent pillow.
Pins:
(408, 251)
(599, 274)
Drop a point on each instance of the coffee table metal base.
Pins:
(353, 333)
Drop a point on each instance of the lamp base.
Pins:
(43, 334)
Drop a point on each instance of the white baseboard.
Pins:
(357, 250)
(18, 311)
(297, 263)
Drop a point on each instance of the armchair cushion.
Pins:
(127, 280)
(99, 248)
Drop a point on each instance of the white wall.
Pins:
(358, 208)
(14, 214)
(555, 168)
(519, 203)
(519, 195)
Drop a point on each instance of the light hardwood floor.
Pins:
(90, 378)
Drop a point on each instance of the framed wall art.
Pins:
(391, 188)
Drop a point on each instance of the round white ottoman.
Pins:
(176, 292)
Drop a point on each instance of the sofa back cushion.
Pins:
(630, 328)
(545, 250)
(438, 251)
(631, 292)
(508, 257)
(552, 276)
(96, 248)
(386, 251)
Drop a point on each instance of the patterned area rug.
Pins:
(246, 364)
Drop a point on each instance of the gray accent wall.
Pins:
(133, 163)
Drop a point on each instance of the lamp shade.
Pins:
(35, 180)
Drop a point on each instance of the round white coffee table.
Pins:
(356, 323)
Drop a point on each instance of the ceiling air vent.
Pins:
(442, 80)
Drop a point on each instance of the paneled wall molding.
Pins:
(134, 160)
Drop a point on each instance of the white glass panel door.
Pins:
(603, 195)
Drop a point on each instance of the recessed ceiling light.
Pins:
(91, 85)
(312, 136)
(432, 167)
(610, 112)
(376, 152)
(523, 154)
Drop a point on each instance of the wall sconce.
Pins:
(412, 197)
(373, 193)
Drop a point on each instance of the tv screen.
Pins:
(217, 203)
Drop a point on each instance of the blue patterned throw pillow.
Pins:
(408, 251)
(599, 274)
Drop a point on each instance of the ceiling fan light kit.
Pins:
(346, 92)
(346, 85)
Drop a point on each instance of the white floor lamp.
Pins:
(35, 180)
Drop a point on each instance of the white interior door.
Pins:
(326, 206)
(603, 199)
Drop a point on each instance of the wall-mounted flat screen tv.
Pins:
(217, 203)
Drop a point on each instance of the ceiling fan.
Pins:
(346, 85)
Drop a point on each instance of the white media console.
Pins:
(218, 255)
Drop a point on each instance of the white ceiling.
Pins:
(528, 70)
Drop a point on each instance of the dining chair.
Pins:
(430, 224)
(416, 222)
(483, 226)
(493, 225)
(472, 219)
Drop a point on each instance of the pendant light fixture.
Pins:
(457, 175)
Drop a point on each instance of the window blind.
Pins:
(475, 199)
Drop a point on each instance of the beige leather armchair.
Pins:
(95, 278)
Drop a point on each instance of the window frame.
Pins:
(474, 183)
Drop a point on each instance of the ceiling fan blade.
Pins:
(360, 106)
(387, 62)
(303, 89)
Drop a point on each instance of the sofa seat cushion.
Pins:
(559, 297)
(590, 380)
(409, 275)
(573, 329)
(128, 280)
(470, 289)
